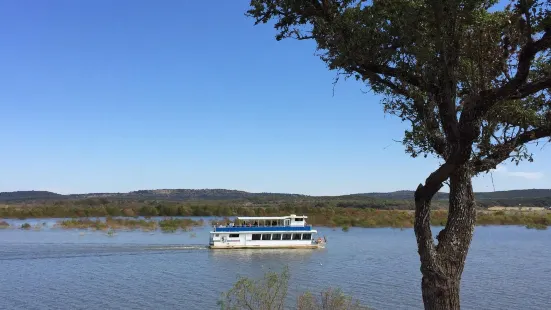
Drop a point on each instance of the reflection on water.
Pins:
(507, 268)
(252, 254)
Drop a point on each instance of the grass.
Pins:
(4, 224)
(225, 221)
(82, 224)
(111, 224)
(131, 224)
(536, 226)
(405, 219)
(370, 218)
(529, 219)
(173, 224)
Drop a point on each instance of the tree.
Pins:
(472, 78)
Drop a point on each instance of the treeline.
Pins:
(100, 207)
(318, 213)
(515, 202)
(110, 207)
(168, 209)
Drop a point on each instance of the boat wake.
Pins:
(179, 247)
(52, 251)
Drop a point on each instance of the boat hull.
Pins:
(236, 246)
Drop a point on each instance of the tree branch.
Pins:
(425, 115)
(423, 196)
(503, 151)
(478, 105)
(486, 99)
(532, 88)
(392, 72)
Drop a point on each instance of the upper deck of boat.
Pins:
(266, 223)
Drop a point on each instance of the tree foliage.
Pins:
(463, 73)
(472, 78)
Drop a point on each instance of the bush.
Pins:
(329, 299)
(270, 293)
(26, 226)
(537, 226)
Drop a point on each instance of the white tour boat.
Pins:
(266, 232)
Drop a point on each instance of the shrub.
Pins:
(329, 299)
(270, 292)
(26, 226)
(128, 212)
(537, 226)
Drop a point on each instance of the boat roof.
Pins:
(245, 218)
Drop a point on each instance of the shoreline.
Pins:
(352, 218)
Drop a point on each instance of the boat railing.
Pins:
(221, 228)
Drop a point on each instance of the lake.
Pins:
(508, 267)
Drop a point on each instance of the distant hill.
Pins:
(158, 194)
(185, 194)
(402, 195)
(29, 195)
(515, 194)
(225, 194)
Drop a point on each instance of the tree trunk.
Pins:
(442, 265)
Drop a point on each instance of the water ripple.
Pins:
(507, 268)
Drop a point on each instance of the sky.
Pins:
(116, 96)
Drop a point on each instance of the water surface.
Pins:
(508, 268)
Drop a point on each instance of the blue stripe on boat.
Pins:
(264, 228)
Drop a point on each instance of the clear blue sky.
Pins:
(113, 96)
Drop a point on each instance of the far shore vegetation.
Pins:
(125, 214)
(110, 223)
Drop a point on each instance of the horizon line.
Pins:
(251, 192)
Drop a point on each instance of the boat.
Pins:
(271, 232)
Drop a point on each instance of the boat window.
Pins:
(306, 236)
(296, 236)
(299, 219)
(286, 236)
(217, 235)
(266, 236)
(256, 236)
(234, 235)
(276, 237)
